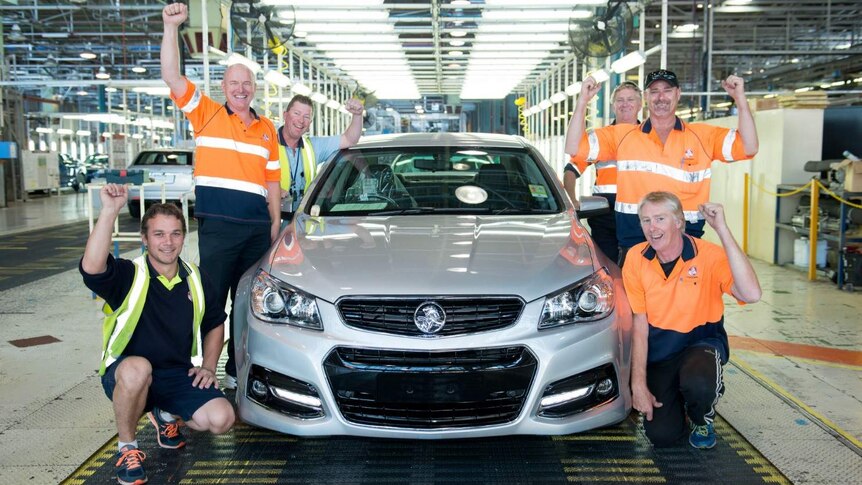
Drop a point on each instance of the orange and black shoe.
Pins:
(167, 432)
(130, 466)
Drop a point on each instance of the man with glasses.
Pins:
(663, 153)
(626, 101)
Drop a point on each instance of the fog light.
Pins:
(605, 386)
(297, 398)
(258, 388)
(564, 397)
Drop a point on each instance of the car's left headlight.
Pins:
(274, 301)
(590, 299)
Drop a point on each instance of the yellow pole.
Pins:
(812, 231)
(745, 214)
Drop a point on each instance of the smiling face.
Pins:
(238, 86)
(626, 104)
(662, 228)
(164, 241)
(297, 120)
(662, 99)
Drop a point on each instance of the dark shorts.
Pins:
(171, 390)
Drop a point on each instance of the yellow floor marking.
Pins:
(783, 392)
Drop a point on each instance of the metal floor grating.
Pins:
(612, 455)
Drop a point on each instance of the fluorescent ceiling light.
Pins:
(456, 43)
(277, 78)
(686, 28)
(348, 38)
(103, 73)
(628, 61)
(354, 15)
(573, 89)
(83, 133)
(64, 131)
(139, 69)
(545, 104)
(348, 28)
(551, 15)
(319, 97)
(509, 54)
(458, 33)
(352, 56)
(301, 89)
(237, 58)
(600, 76)
(525, 47)
(524, 37)
(353, 47)
(330, 3)
(520, 28)
(82, 93)
(40, 129)
(333, 104)
(153, 90)
(525, 3)
(557, 97)
(110, 89)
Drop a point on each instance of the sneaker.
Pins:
(167, 432)
(130, 466)
(229, 382)
(702, 436)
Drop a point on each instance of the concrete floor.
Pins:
(794, 382)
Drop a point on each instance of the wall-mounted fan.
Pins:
(603, 34)
(263, 27)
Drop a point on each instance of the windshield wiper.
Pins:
(408, 210)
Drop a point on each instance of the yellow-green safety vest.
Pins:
(309, 164)
(119, 324)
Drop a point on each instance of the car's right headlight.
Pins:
(274, 301)
(587, 300)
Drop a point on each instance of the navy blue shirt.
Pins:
(163, 335)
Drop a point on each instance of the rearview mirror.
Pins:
(592, 205)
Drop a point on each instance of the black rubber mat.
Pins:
(610, 455)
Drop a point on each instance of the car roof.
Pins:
(167, 150)
(488, 140)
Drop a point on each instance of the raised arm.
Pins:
(735, 87)
(113, 198)
(354, 130)
(745, 285)
(577, 125)
(173, 15)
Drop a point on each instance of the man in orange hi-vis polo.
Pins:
(626, 102)
(237, 172)
(675, 283)
(663, 152)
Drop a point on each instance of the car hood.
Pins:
(529, 256)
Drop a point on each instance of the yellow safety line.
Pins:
(784, 393)
(836, 197)
(785, 194)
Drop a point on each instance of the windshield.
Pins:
(435, 180)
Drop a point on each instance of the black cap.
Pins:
(662, 75)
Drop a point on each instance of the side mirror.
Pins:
(592, 205)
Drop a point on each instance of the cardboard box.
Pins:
(852, 175)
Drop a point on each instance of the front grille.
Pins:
(430, 389)
(464, 315)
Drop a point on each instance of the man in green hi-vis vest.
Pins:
(300, 155)
(162, 335)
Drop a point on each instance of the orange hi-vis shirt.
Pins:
(684, 308)
(681, 166)
(606, 174)
(233, 162)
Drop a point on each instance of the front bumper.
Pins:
(376, 385)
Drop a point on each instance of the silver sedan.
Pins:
(434, 286)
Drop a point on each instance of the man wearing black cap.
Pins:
(662, 153)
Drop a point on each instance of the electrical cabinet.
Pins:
(41, 171)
